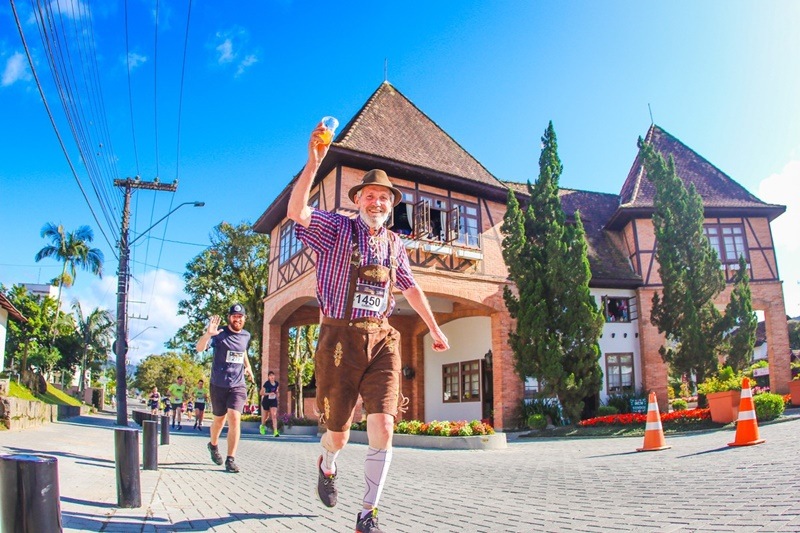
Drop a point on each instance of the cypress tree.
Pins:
(740, 320)
(689, 269)
(558, 321)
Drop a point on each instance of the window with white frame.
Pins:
(533, 388)
(468, 233)
(619, 373)
(728, 240)
(289, 244)
(619, 309)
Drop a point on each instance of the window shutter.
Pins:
(633, 309)
(422, 219)
(453, 225)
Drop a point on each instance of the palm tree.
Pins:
(73, 250)
(96, 330)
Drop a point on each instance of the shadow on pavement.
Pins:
(724, 448)
(632, 452)
(76, 501)
(92, 523)
(92, 461)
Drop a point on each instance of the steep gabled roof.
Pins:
(609, 266)
(391, 127)
(391, 133)
(13, 312)
(715, 187)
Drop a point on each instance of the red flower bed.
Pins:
(687, 415)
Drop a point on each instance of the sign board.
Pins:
(638, 405)
(763, 371)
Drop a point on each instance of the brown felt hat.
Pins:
(376, 177)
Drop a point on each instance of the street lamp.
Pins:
(160, 220)
(145, 329)
(121, 344)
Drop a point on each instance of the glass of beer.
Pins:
(330, 124)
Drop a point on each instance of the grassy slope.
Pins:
(52, 396)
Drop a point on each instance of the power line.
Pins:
(55, 128)
(130, 93)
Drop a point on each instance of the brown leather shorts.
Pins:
(360, 356)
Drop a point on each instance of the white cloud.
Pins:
(231, 48)
(249, 60)
(782, 188)
(154, 296)
(70, 8)
(225, 50)
(16, 69)
(134, 60)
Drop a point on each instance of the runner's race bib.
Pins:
(271, 395)
(236, 358)
(370, 298)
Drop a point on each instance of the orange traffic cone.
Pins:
(653, 432)
(746, 424)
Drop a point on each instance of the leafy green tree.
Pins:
(302, 347)
(96, 332)
(740, 320)
(30, 338)
(558, 321)
(72, 250)
(689, 269)
(235, 268)
(794, 334)
(162, 370)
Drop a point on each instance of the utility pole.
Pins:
(123, 276)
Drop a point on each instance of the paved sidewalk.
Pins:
(584, 485)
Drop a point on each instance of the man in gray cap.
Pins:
(228, 390)
(359, 264)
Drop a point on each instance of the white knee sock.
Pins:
(328, 458)
(376, 466)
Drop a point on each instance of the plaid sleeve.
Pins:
(405, 279)
(321, 233)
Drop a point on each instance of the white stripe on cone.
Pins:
(747, 415)
(651, 426)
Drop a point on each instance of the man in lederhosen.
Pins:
(359, 263)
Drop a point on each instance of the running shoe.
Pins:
(276, 434)
(326, 486)
(262, 429)
(368, 524)
(230, 465)
(216, 458)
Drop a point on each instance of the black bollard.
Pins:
(126, 447)
(150, 445)
(29, 496)
(164, 429)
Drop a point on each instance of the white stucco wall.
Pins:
(3, 335)
(470, 339)
(619, 337)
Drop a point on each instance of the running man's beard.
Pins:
(373, 223)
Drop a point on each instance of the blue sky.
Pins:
(721, 76)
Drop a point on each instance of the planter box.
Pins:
(724, 406)
(794, 390)
(479, 442)
(300, 430)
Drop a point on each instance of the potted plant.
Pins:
(794, 385)
(722, 392)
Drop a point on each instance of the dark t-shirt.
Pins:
(230, 349)
(269, 388)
